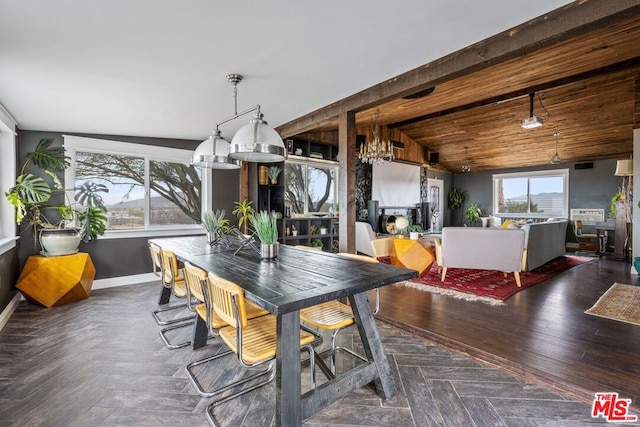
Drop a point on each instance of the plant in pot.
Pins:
(216, 224)
(414, 231)
(473, 213)
(84, 219)
(274, 172)
(455, 200)
(266, 226)
(245, 212)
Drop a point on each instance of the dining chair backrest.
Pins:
(169, 266)
(195, 278)
(156, 260)
(222, 293)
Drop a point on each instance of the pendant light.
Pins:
(556, 159)
(466, 167)
(214, 153)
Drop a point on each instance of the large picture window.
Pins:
(148, 187)
(532, 194)
(310, 187)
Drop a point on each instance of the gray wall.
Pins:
(588, 188)
(121, 257)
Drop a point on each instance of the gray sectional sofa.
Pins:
(543, 242)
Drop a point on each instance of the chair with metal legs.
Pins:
(172, 277)
(335, 316)
(252, 340)
(166, 290)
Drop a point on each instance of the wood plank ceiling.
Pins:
(589, 84)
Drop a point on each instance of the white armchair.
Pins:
(364, 236)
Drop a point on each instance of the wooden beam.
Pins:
(347, 181)
(570, 21)
(636, 109)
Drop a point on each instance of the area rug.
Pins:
(620, 302)
(489, 286)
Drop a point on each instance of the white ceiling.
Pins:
(157, 67)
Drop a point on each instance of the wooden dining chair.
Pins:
(252, 340)
(173, 279)
(335, 316)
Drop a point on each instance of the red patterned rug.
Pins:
(488, 285)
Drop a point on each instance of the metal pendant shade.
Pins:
(257, 142)
(214, 153)
(556, 159)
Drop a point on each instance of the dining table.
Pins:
(296, 279)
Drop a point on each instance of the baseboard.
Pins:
(112, 282)
(9, 309)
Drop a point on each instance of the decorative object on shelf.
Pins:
(316, 243)
(624, 169)
(556, 159)
(254, 142)
(31, 193)
(324, 230)
(266, 227)
(294, 230)
(298, 151)
(217, 226)
(376, 151)
(214, 153)
(263, 175)
(244, 211)
(473, 213)
(313, 229)
(466, 167)
(274, 172)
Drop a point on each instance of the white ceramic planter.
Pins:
(59, 241)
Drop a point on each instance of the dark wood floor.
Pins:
(542, 333)
(100, 362)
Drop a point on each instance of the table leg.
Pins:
(372, 343)
(288, 382)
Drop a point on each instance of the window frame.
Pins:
(547, 173)
(319, 164)
(72, 144)
(7, 179)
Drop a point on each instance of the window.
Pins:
(149, 188)
(532, 194)
(310, 186)
(7, 178)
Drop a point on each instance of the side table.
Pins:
(56, 280)
(411, 254)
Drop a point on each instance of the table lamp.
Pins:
(402, 224)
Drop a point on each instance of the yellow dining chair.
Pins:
(335, 315)
(252, 340)
(196, 277)
(173, 279)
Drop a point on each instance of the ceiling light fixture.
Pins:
(556, 159)
(255, 142)
(532, 121)
(376, 151)
(466, 167)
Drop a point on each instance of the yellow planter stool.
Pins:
(56, 280)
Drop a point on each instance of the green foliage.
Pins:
(612, 208)
(245, 212)
(47, 157)
(266, 226)
(94, 223)
(415, 228)
(273, 172)
(473, 213)
(456, 198)
(215, 222)
(316, 243)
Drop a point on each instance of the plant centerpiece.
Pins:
(245, 212)
(216, 224)
(266, 226)
(83, 219)
(473, 213)
(274, 172)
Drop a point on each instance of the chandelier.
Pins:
(378, 150)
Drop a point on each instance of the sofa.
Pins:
(543, 242)
(481, 248)
(367, 241)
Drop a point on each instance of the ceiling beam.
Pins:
(567, 22)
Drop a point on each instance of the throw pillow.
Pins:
(506, 223)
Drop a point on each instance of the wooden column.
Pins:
(347, 180)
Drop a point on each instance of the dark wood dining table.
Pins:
(296, 279)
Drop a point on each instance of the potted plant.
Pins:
(473, 213)
(274, 172)
(266, 226)
(216, 225)
(316, 243)
(244, 211)
(455, 200)
(414, 231)
(31, 196)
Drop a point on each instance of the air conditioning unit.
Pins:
(531, 122)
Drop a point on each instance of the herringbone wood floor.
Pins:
(100, 362)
